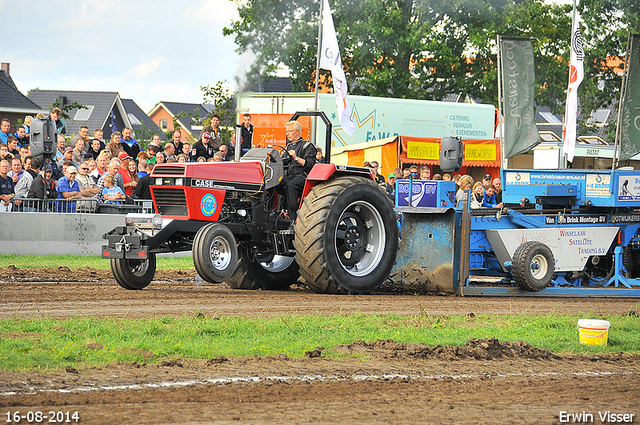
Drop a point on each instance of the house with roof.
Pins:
(187, 116)
(103, 110)
(142, 125)
(13, 104)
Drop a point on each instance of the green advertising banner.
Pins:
(630, 106)
(518, 76)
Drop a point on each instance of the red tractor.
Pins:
(230, 215)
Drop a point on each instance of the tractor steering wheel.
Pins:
(284, 154)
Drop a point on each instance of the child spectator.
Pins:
(111, 193)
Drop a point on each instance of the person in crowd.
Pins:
(96, 146)
(319, 155)
(101, 167)
(7, 191)
(186, 149)
(78, 151)
(204, 148)
(413, 173)
(22, 136)
(151, 151)
(231, 145)
(88, 188)
(172, 159)
(425, 173)
(142, 190)
(477, 196)
(27, 124)
(12, 145)
(5, 130)
(489, 198)
(246, 133)
(114, 146)
(486, 180)
(127, 179)
(465, 183)
(129, 144)
(4, 152)
(142, 166)
(497, 183)
(16, 171)
(26, 161)
(60, 148)
(216, 157)
(183, 158)
(69, 190)
(160, 158)
(303, 158)
(155, 141)
(224, 153)
(176, 140)
(437, 176)
(391, 186)
(133, 170)
(92, 167)
(112, 170)
(68, 156)
(446, 177)
(83, 134)
(42, 184)
(111, 193)
(169, 150)
(61, 126)
(24, 184)
(25, 150)
(379, 178)
(99, 134)
(214, 133)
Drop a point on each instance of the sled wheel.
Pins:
(533, 266)
(215, 254)
(346, 236)
(134, 274)
(275, 273)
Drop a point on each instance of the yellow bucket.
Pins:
(593, 331)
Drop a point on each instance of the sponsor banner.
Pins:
(598, 185)
(576, 219)
(628, 188)
(424, 193)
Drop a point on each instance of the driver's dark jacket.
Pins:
(305, 150)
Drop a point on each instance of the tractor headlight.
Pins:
(158, 181)
(179, 182)
(144, 221)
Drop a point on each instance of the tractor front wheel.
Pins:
(533, 266)
(134, 274)
(215, 253)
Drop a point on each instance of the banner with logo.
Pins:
(518, 77)
(630, 106)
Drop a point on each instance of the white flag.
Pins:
(576, 74)
(330, 59)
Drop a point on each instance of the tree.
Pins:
(221, 97)
(428, 49)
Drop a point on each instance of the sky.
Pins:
(148, 51)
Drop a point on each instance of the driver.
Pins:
(303, 158)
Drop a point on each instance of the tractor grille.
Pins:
(165, 170)
(170, 201)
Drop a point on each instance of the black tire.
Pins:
(533, 266)
(346, 236)
(277, 274)
(215, 253)
(134, 274)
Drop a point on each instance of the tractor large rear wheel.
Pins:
(134, 274)
(346, 236)
(277, 273)
(215, 253)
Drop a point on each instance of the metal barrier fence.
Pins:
(87, 206)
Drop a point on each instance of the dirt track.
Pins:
(396, 384)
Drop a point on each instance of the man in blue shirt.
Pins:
(68, 189)
(489, 200)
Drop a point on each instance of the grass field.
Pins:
(46, 343)
(78, 261)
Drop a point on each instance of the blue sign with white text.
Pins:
(424, 193)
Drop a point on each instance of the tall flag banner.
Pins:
(518, 78)
(330, 60)
(576, 74)
(630, 105)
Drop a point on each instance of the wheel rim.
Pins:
(138, 267)
(539, 266)
(278, 263)
(360, 238)
(220, 253)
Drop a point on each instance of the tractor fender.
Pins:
(323, 172)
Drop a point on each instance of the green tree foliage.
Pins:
(428, 49)
(221, 97)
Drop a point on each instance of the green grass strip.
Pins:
(49, 344)
(79, 261)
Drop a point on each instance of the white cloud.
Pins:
(221, 11)
(150, 66)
